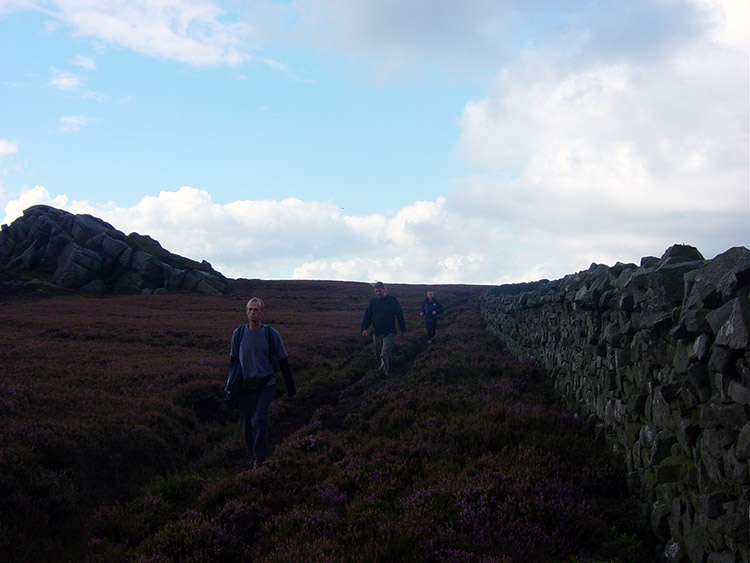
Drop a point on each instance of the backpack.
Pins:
(271, 351)
(234, 377)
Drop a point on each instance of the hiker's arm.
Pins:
(288, 379)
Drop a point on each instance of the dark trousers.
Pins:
(254, 407)
(430, 325)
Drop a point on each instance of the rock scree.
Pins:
(54, 249)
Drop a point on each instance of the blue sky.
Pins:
(405, 140)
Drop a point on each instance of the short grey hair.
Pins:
(257, 300)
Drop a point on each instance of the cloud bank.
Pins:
(610, 132)
(427, 242)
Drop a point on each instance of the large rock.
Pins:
(84, 253)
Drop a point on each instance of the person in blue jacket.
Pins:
(383, 312)
(430, 310)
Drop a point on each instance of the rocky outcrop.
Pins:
(658, 355)
(86, 254)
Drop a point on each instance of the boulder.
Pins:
(86, 254)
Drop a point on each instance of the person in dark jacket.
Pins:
(259, 352)
(430, 310)
(383, 312)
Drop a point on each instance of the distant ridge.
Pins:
(52, 249)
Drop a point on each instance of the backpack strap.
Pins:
(238, 338)
(271, 350)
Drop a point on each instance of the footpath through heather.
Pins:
(462, 454)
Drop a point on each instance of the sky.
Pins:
(409, 141)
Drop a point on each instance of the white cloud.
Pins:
(73, 123)
(10, 6)
(292, 238)
(33, 196)
(65, 81)
(601, 160)
(8, 147)
(730, 20)
(84, 62)
(72, 83)
(426, 242)
(191, 31)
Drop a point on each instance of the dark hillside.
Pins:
(116, 447)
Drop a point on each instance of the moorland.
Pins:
(116, 445)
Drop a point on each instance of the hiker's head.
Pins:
(254, 310)
(379, 289)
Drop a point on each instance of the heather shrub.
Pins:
(204, 399)
(192, 539)
(119, 446)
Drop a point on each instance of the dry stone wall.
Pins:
(658, 355)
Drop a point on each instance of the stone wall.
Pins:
(658, 355)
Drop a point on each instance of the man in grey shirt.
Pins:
(260, 352)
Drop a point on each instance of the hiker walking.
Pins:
(430, 310)
(260, 352)
(383, 312)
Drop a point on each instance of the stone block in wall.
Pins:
(742, 365)
(695, 321)
(663, 414)
(687, 435)
(712, 415)
(614, 412)
(718, 317)
(680, 253)
(686, 400)
(676, 469)
(709, 472)
(700, 290)
(721, 383)
(659, 520)
(662, 448)
(743, 443)
(626, 302)
(701, 347)
(695, 542)
(735, 332)
(682, 356)
(732, 525)
(721, 276)
(698, 380)
(736, 470)
(668, 280)
(712, 504)
(714, 441)
(636, 404)
(739, 393)
(722, 360)
(608, 300)
(656, 313)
